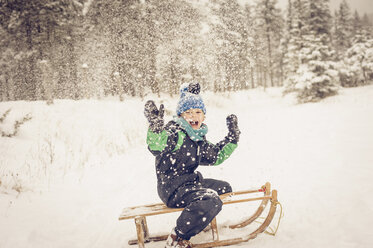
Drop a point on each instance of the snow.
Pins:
(86, 6)
(71, 170)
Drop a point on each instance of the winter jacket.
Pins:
(178, 156)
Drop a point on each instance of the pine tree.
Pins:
(315, 77)
(285, 44)
(125, 33)
(269, 19)
(297, 15)
(357, 66)
(343, 29)
(360, 29)
(38, 29)
(357, 26)
(180, 51)
(7, 54)
(233, 45)
(367, 26)
(249, 47)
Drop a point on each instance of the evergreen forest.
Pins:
(76, 49)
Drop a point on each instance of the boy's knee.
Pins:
(227, 188)
(224, 188)
(210, 204)
(215, 204)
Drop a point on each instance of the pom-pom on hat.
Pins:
(190, 98)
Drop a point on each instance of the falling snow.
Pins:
(316, 155)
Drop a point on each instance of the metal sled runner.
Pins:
(140, 213)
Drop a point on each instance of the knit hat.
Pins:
(190, 99)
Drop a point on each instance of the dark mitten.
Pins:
(154, 116)
(233, 130)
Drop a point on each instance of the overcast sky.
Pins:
(362, 6)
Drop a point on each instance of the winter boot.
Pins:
(173, 241)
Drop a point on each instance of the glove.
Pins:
(154, 116)
(233, 130)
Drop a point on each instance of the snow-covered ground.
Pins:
(66, 176)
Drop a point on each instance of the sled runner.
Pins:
(140, 213)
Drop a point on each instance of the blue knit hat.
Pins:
(190, 99)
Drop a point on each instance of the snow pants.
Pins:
(201, 204)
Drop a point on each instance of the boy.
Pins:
(180, 147)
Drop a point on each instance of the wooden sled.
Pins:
(140, 213)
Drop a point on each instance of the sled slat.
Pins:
(160, 208)
(139, 214)
(156, 209)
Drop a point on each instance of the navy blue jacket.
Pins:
(178, 157)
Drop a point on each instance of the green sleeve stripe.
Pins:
(225, 153)
(180, 140)
(157, 141)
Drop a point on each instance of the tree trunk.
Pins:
(270, 58)
(252, 78)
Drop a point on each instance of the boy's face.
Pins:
(194, 117)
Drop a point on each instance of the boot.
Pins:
(173, 241)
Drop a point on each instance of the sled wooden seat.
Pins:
(139, 214)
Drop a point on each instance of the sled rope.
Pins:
(273, 230)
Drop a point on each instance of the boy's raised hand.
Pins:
(233, 130)
(154, 116)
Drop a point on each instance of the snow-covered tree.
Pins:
(7, 54)
(37, 31)
(296, 19)
(357, 67)
(178, 44)
(342, 29)
(315, 78)
(367, 26)
(232, 41)
(289, 18)
(124, 36)
(250, 48)
(357, 26)
(270, 23)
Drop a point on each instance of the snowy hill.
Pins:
(66, 176)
